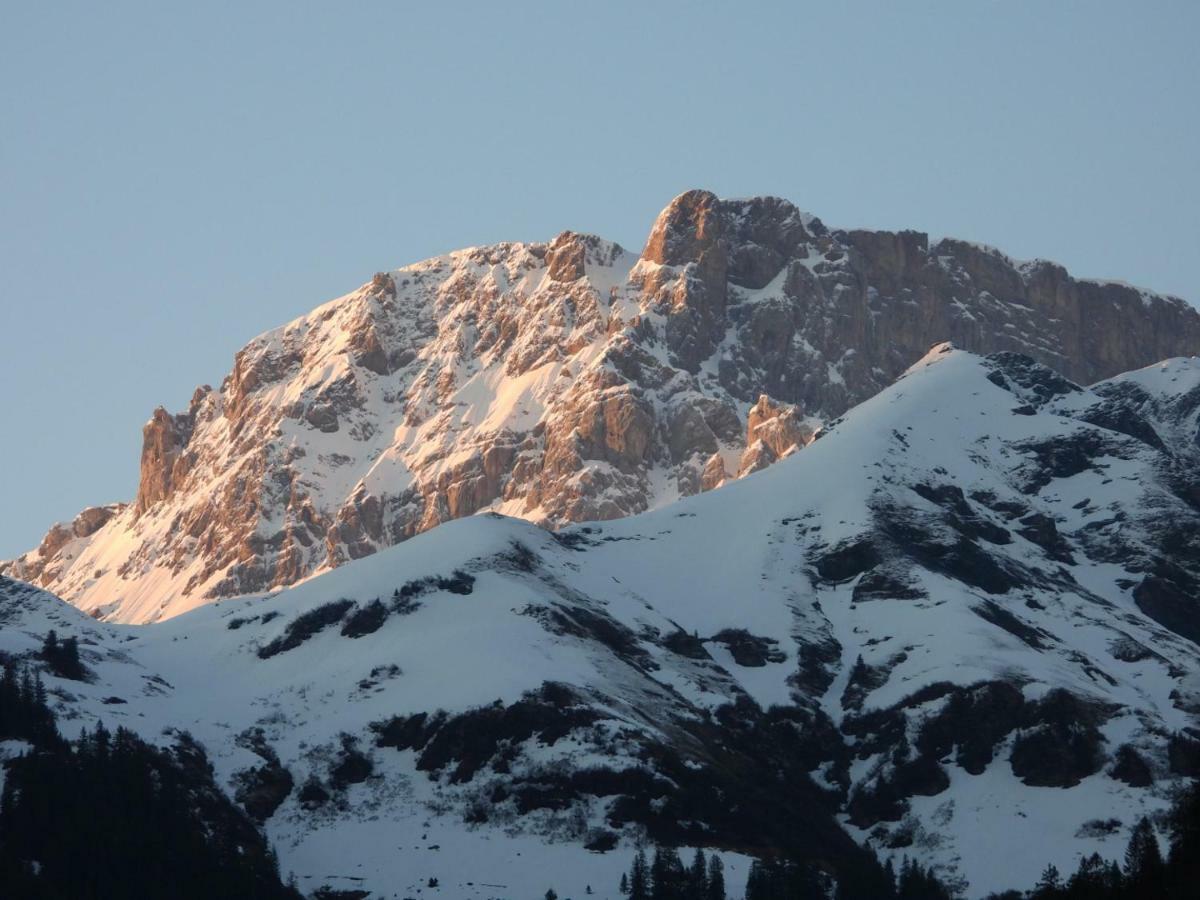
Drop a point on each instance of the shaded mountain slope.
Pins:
(955, 626)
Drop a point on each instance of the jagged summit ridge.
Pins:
(562, 382)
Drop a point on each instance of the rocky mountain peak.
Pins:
(566, 381)
(687, 231)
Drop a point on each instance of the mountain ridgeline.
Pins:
(561, 382)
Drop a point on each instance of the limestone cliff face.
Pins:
(163, 439)
(983, 301)
(823, 319)
(561, 382)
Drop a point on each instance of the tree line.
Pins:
(666, 877)
(1147, 874)
(109, 816)
(24, 714)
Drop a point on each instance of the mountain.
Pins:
(562, 382)
(960, 625)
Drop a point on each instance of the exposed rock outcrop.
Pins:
(779, 426)
(163, 440)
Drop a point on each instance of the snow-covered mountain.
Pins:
(959, 625)
(562, 382)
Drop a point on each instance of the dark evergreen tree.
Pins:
(917, 883)
(39, 691)
(1143, 859)
(70, 657)
(757, 883)
(715, 888)
(639, 878)
(1093, 880)
(666, 875)
(62, 657)
(696, 882)
(24, 712)
(866, 879)
(1183, 860)
(1049, 884)
(776, 879)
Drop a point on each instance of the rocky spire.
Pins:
(566, 256)
(163, 439)
(686, 246)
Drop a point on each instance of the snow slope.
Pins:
(950, 626)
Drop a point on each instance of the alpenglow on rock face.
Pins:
(563, 382)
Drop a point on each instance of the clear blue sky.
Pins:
(176, 178)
